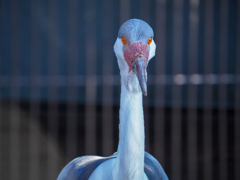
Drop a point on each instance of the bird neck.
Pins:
(130, 155)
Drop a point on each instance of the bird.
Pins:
(134, 48)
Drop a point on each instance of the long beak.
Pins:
(140, 69)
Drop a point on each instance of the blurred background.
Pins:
(60, 85)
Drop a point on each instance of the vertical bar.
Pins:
(223, 90)
(124, 10)
(107, 56)
(91, 78)
(14, 134)
(14, 88)
(53, 41)
(192, 89)
(34, 93)
(208, 90)
(72, 91)
(144, 15)
(176, 129)
(237, 101)
(160, 61)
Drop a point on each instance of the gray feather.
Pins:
(135, 30)
(153, 169)
(82, 168)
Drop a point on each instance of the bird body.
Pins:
(134, 48)
(100, 168)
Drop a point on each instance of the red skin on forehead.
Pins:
(133, 51)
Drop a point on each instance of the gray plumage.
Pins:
(81, 168)
(135, 30)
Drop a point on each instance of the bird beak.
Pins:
(139, 67)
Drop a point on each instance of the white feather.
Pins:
(152, 50)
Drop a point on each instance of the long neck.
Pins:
(130, 155)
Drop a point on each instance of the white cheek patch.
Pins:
(123, 66)
(152, 50)
(118, 49)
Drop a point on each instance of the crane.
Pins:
(134, 48)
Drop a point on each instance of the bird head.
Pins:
(134, 48)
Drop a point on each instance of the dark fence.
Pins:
(60, 85)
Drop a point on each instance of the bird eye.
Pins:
(149, 40)
(124, 40)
